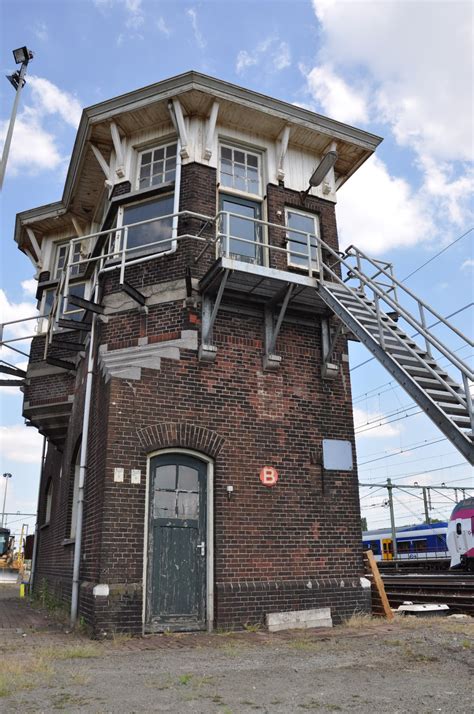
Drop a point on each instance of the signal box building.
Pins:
(188, 373)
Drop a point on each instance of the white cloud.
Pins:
(29, 287)
(336, 97)
(41, 31)
(420, 88)
(49, 99)
(272, 52)
(468, 264)
(34, 146)
(135, 17)
(21, 444)
(163, 27)
(198, 36)
(377, 420)
(377, 212)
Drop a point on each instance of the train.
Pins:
(460, 537)
(422, 541)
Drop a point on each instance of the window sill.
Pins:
(69, 541)
(45, 525)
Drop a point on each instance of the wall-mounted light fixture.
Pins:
(321, 171)
(230, 491)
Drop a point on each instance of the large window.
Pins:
(240, 169)
(158, 232)
(305, 229)
(157, 166)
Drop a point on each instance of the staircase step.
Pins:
(453, 408)
(441, 395)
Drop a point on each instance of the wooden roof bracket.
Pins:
(207, 350)
(271, 360)
(119, 146)
(177, 117)
(211, 130)
(103, 165)
(282, 140)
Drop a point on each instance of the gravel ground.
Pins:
(412, 665)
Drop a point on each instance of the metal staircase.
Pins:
(371, 302)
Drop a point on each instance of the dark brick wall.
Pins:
(269, 543)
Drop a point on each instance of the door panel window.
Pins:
(298, 242)
(242, 236)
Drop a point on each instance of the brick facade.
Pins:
(295, 546)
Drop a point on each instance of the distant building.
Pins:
(190, 358)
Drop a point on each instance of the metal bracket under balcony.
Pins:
(271, 360)
(210, 308)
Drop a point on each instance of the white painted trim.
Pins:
(306, 214)
(209, 534)
(211, 128)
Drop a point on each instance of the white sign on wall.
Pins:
(337, 455)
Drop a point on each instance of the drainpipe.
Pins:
(82, 469)
(35, 542)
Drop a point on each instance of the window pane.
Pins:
(170, 175)
(188, 479)
(252, 160)
(73, 312)
(146, 158)
(188, 505)
(164, 504)
(239, 156)
(226, 153)
(158, 154)
(159, 230)
(171, 150)
(158, 167)
(145, 171)
(165, 477)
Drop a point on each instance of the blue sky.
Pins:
(401, 69)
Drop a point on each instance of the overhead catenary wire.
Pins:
(433, 257)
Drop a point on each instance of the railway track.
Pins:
(455, 590)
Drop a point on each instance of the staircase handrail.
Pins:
(420, 328)
(459, 397)
(393, 279)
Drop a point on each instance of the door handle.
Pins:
(202, 547)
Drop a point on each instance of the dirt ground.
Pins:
(413, 665)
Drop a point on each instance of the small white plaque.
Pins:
(136, 475)
(337, 455)
(118, 475)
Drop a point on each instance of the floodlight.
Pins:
(22, 55)
(326, 163)
(14, 79)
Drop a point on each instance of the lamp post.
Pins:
(6, 477)
(22, 56)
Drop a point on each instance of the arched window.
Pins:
(49, 501)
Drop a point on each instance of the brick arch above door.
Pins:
(182, 435)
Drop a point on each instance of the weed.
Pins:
(304, 644)
(419, 656)
(252, 627)
(362, 619)
(185, 678)
(12, 674)
(466, 644)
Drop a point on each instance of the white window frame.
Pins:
(317, 233)
(151, 149)
(139, 252)
(49, 501)
(258, 154)
(57, 272)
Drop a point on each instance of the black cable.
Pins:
(437, 254)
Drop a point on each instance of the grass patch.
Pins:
(360, 620)
(86, 651)
(304, 644)
(19, 674)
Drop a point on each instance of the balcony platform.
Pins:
(261, 284)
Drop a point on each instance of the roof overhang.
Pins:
(197, 92)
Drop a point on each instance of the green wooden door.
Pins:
(176, 588)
